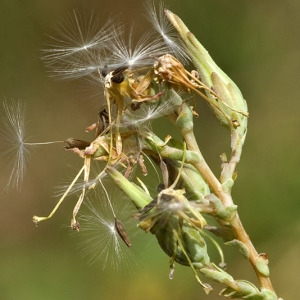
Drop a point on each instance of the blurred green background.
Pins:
(257, 44)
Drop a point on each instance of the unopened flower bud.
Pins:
(225, 97)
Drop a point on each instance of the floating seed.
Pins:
(122, 233)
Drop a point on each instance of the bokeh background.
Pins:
(257, 44)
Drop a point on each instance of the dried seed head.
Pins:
(168, 68)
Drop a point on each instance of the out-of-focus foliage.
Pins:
(257, 44)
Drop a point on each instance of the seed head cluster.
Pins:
(146, 85)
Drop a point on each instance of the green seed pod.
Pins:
(177, 227)
(185, 246)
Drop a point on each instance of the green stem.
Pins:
(138, 196)
(185, 123)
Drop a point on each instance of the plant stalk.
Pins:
(235, 222)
